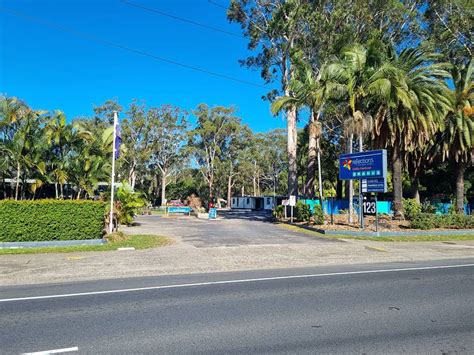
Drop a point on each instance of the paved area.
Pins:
(229, 244)
(233, 228)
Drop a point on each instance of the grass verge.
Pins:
(403, 238)
(126, 241)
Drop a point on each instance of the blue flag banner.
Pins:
(118, 140)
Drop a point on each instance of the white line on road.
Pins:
(234, 282)
(54, 351)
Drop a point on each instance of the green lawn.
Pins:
(135, 241)
(405, 238)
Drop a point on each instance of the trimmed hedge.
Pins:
(42, 220)
(430, 221)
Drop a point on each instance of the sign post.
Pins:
(370, 168)
(292, 204)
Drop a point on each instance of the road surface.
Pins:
(390, 308)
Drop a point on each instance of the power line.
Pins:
(180, 18)
(97, 39)
(217, 4)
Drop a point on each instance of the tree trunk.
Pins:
(229, 191)
(320, 172)
(78, 197)
(312, 149)
(255, 179)
(56, 190)
(416, 189)
(351, 183)
(163, 188)
(460, 169)
(397, 183)
(292, 149)
(18, 167)
(61, 190)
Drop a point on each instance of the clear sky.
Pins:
(53, 69)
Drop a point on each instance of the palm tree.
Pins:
(456, 141)
(312, 91)
(412, 101)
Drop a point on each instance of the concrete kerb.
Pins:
(51, 243)
(363, 233)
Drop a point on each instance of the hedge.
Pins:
(42, 220)
(430, 221)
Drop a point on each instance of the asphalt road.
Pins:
(233, 228)
(390, 308)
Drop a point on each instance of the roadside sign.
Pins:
(370, 207)
(370, 164)
(212, 213)
(374, 185)
(292, 200)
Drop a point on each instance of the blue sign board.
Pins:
(212, 213)
(363, 165)
(374, 185)
(179, 209)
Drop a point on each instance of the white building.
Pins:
(252, 202)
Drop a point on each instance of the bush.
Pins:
(302, 212)
(411, 208)
(423, 221)
(429, 221)
(318, 215)
(279, 212)
(42, 220)
(427, 207)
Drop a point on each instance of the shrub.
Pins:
(279, 212)
(318, 215)
(423, 221)
(427, 207)
(129, 203)
(429, 221)
(411, 208)
(42, 220)
(302, 212)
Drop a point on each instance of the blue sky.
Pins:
(51, 69)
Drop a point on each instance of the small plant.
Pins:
(427, 207)
(318, 215)
(302, 212)
(429, 221)
(411, 208)
(279, 212)
(423, 221)
(129, 204)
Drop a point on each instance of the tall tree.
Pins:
(211, 137)
(167, 136)
(413, 102)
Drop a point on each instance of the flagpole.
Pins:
(111, 222)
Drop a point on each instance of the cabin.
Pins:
(252, 202)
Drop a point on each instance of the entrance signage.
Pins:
(363, 165)
(292, 201)
(374, 185)
(370, 207)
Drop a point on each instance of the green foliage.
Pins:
(302, 212)
(430, 221)
(318, 215)
(427, 207)
(42, 220)
(411, 208)
(279, 212)
(129, 203)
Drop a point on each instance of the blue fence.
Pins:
(335, 206)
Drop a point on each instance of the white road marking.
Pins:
(54, 351)
(234, 282)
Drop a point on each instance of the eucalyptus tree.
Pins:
(412, 101)
(274, 28)
(211, 137)
(167, 132)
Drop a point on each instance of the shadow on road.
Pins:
(248, 215)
